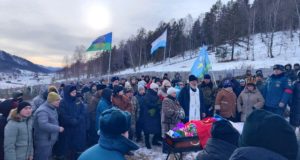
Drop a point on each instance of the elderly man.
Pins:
(191, 100)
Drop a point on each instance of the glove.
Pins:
(152, 112)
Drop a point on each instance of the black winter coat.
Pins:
(184, 101)
(216, 149)
(295, 107)
(151, 113)
(72, 116)
(255, 153)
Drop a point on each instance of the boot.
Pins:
(147, 141)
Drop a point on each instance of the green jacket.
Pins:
(18, 137)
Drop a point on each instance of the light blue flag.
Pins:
(202, 64)
(161, 41)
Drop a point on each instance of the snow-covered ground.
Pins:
(285, 50)
(26, 78)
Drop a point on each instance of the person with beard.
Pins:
(72, 116)
(192, 101)
(92, 107)
(134, 84)
(104, 104)
(87, 96)
(209, 94)
(260, 82)
(115, 81)
(277, 91)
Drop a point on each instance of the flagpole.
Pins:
(109, 64)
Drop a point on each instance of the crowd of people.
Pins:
(103, 120)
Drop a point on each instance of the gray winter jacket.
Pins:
(46, 127)
(18, 137)
(37, 102)
(248, 101)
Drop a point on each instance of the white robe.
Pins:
(194, 111)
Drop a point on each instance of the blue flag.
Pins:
(202, 64)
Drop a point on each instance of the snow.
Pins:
(285, 50)
(20, 61)
(25, 78)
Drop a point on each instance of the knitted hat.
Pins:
(52, 89)
(207, 76)
(22, 105)
(251, 81)
(154, 86)
(171, 90)
(117, 89)
(52, 97)
(100, 86)
(193, 78)
(114, 122)
(224, 130)
(267, 130)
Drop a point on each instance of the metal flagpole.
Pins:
(109, 63)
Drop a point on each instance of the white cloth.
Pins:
(194, 112)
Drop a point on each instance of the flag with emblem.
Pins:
(202, 64)
(102, 43)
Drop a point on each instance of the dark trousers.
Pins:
(155, 139)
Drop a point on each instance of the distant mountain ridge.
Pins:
(10, 63)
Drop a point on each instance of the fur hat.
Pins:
(171, 90)
(52, 97)
(192, 78)
(279, 67)
(100, 87)
(117, 89)
(251, 81)
(154, 86)
(52, 89)
(270, 131)
(22, 105)
(114, 122)
(114, 79)
(166, 83)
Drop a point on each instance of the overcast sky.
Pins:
(44, 31)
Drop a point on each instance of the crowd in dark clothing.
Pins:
(68, 120)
